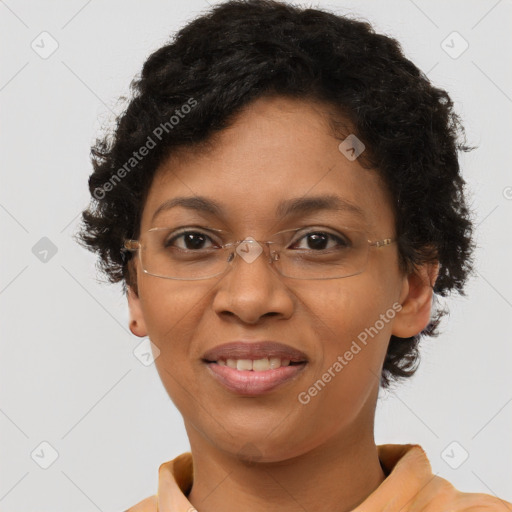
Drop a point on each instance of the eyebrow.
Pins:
(287, 208)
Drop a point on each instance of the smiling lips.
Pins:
(254, 350)
(253, 368)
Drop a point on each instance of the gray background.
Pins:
(67, 368)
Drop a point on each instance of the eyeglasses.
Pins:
(302, 253)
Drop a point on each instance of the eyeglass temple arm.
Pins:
(382, 243)
(130, 245)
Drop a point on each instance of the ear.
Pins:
(137, 323)
(416, 300)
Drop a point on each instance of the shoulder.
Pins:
(411, 486)
(440, 494)
(149, 504)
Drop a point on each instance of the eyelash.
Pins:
(342, 241)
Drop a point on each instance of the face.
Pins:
(277, 150)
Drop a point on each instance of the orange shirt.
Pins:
(409, 486)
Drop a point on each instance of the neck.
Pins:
(337, 475)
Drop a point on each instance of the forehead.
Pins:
(279, 156)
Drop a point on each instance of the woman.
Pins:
(281, 200)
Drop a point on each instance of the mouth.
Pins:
(254, 377)
(256, 365)
(248, 367)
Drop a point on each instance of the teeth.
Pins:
(275, 362)
(258, 365)
(261, 365)
(244, 364)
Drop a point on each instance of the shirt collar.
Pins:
(406, 465)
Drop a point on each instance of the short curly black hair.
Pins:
(192, 87)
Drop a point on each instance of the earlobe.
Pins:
(137, 323)
(416, 300)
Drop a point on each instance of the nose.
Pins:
(252, 289)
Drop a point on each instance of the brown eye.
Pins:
(191, 240)
(319, 240)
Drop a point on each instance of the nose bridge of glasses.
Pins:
(249, 250)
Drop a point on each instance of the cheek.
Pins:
(171, 312)
(167, 302)
(352, 321)
(342, 309)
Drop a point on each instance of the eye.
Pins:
(190, 240)
(319, 240)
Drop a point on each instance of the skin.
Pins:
(271, 452)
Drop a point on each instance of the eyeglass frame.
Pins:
(131, 245)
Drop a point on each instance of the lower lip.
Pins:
(253, 383)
